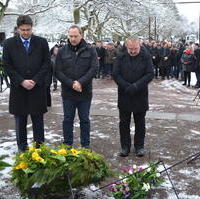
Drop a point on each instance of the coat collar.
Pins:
(32, 46)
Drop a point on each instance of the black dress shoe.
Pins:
(124, 152)
(139, 152)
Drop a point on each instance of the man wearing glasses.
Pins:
(26, 60)
(133, 71)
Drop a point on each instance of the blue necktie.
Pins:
(26, 45)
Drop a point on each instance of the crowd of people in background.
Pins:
(175, 60)
(170, 60)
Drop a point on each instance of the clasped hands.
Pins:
(77, 86)
(131, 89)
(28, 84)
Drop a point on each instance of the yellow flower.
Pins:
(36, 157)
(75, 152)
(31, 149)
(38, 150)
(62, 152)
(39, 159)
(22, 165)
(54, 151)
(21, 156)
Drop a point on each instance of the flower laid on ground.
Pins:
(46, 171)
(135, 183)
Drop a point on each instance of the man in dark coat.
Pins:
(27, 60)
(76, 65)
(133, 70)
(165, 61)
(101, 54)
(155, 58)
(197, 65)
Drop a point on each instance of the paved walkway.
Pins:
(154, 115)
(195, 117)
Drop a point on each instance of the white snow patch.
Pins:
(98, 134)
(175, 85)
(170, 127)
(179, 106)
(195, 132)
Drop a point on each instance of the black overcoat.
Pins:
(134, 72)
(21, 65)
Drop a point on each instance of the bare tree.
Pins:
(99, 18)
(3, 9)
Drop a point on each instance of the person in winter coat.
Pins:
(110, 55)
(181, 48)
(76, 65)
(165, 61)
(155, 58)
(174, 62)
(133, 70)
(187, 60)
(101, 54)
(26, 59)
(197, 65)
(53, 61)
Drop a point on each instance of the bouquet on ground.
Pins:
(135, 183)
(51, 172)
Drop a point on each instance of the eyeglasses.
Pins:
(25, 30)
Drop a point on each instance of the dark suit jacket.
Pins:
(21, 65)
(133, 73)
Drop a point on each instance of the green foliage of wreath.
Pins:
(46, 172)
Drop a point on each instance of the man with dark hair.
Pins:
(76, 65)
(24, 20)
(27, 60)
(133, 70)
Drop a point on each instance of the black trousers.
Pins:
(48, 96)
(124, 128)
(187, 78)
(21, 130)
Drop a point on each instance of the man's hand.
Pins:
(28, 84)
(77, 86)
(131, 90)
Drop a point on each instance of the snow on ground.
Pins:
(105, 129)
